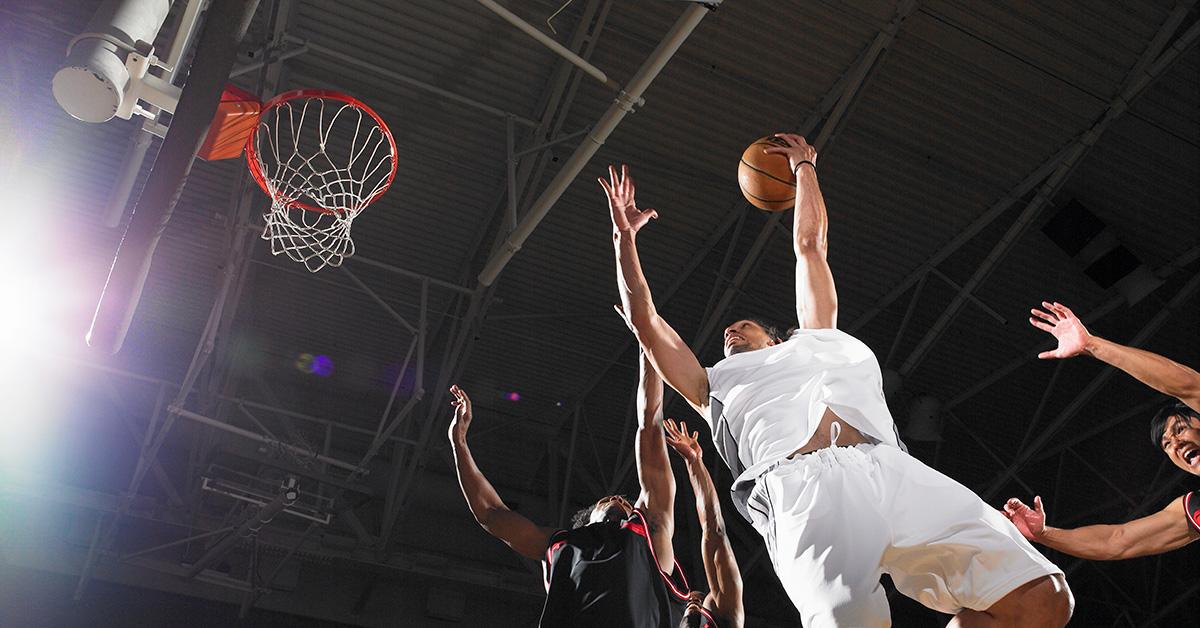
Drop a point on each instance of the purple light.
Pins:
(322, 365)
(512, 396)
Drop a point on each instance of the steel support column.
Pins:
(604, 127)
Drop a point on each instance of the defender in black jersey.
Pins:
(605, 574)
(1175, 429)
(617, 566)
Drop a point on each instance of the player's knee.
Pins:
(1046, 601)
(1060, 600)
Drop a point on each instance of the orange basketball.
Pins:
(766, 179)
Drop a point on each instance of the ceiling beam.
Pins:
(608, 122)
(1153, 62)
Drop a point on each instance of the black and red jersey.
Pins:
(606, 574)
(1191, 506)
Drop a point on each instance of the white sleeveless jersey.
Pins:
(767, 403)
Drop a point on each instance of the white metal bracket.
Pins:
(147, 87)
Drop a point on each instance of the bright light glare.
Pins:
(35, 296)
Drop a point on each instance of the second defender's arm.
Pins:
(1160, 532)
(667, 351)
(1160, 373)
(720, 564)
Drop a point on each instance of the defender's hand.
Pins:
(462, 415)
(1030, 521)
(625, 214)
(1062, 323)
(683, 443)
(798, 150)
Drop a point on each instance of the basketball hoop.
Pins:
(322, 157)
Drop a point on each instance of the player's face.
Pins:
(611, 508)
(1181, 443)
(744, 336)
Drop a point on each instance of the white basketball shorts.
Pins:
(836, 518)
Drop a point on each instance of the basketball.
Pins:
(766, 179)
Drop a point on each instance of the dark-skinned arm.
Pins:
(720, 565)
(514, 529)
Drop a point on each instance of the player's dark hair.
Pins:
(580, 518)
(1158, 424)
(769, 327)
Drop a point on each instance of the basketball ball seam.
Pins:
(767, 174)
(770, 200)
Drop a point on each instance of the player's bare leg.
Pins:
(1044, 601)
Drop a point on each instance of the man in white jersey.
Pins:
(820, 472)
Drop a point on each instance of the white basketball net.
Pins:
(330, 155)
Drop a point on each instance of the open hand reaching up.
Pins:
(625, 214)
(462, 415)
(682, 442)
(1062, 323)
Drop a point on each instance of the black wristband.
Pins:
(796, 170)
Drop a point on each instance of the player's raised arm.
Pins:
(720, 564)
(816, 295)
(667, 351)
(518, 532)
(657, 498)
(1160, 373)
(1160, 532)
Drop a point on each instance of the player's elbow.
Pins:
(811, 244)
(485, 517)
(642, 316)
(1120, 546)
(1189, 390)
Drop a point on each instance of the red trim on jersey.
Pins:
(1193, 515)
(550, 561)
(712, 622)
(642, 530)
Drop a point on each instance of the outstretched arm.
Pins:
(519, 533)
(1161, 374)
(657, 498)
(1160, 532)
(720, 564)
(816, 295)
(670, 355)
